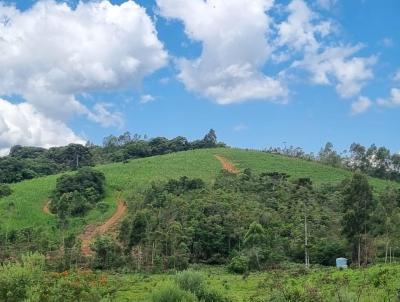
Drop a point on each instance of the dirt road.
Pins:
(92, 230)
(226, 164)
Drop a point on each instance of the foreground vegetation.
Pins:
(28, 280)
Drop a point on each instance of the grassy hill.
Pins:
(30, 196)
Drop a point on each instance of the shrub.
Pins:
(76, 194)
(173, 294)
(108, 253)
(190, 281)
(102, 206)
(239, 264)
(5, 190)
(194, 282)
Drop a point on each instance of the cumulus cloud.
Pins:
(392, 101)
(146, 98)
(100, 114)
(52, 53)
(22, 124)
(302, 28)
(361, 105)
(235, 48)
(240, 42)
(338, 66)
(305, 33)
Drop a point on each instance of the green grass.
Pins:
(30, 196)
(319, 173)
(376, 283)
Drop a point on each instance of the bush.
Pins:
(194, 282)
(173, 294)
(5, 190)
(76, 194)
(108, 253)
(17, 278)
(190, 281)
(102, 206)
(239, 264)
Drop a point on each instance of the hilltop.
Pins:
(30, 197)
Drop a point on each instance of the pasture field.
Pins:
(292, 283)
(24, 208)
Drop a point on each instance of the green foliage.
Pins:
(357, 206)
(190, 281)
(27, 280)
(173, 294)
(107, 253)
(76, 194)
(239, 264)
(194, 282)
(5, 190)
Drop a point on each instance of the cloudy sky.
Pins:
(260, 72)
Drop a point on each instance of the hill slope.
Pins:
(24, 208)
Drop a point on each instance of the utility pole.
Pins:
(306, 256)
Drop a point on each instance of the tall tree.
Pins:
(357, 206)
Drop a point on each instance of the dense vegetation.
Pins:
(31, 162)
(75, 194)
(5, 190)
(29, 280)
(253, 221)
(374, 161)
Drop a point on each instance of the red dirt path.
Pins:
(227, 165)
(46, 209)
(92, 230)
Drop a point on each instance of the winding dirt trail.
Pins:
(226, 164)
(92, 230)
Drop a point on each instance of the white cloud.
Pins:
(302, 28)
(387, 42)
(240, 127)
(235, 48)
(361, 105)
(146, 98)
(396, 77)
(337, 65)
(392, 101)
(51, 53)
(310, 37)
(239, 41)
(23, 124)
(100, 114)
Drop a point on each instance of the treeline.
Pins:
(374, 161)
(30, 162)
(254, 221)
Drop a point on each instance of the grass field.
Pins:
(29, 196)
(376, 283)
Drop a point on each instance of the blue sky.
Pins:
(202, 69)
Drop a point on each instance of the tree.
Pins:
(388, 214)
(329, 156)
(210, 139)
(255, 240)
(357, 206)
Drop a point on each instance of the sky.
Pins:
(261, 73)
